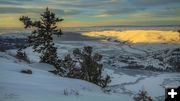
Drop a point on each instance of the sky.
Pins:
(80, 13)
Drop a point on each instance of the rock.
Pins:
(27, 71)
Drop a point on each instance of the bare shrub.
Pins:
(142, 96)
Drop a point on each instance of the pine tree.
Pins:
(91, 69)
(41, 38)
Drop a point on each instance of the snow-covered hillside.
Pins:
(126, 81)
(44, 86)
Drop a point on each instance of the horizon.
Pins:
(102, 28)
(88, 13)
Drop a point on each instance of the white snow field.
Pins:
(44, 86)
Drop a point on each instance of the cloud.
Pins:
(19, 2)
(158, 13)
(10, 10)
(102, 15)
(88, 11)
(8, 2)
(120, 11)
(154, 2)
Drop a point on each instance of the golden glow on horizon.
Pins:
(12, 20)
(80, 13)
(6, 22)
(139, 36)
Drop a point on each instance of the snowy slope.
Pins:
(117, 55)
(44, 86)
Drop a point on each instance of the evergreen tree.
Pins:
(90, 68)
(69, 65)
(41, 38)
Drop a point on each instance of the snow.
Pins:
(42, 66)
(42, 85)
(33, 57)
(156, 84)
(130, 82)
